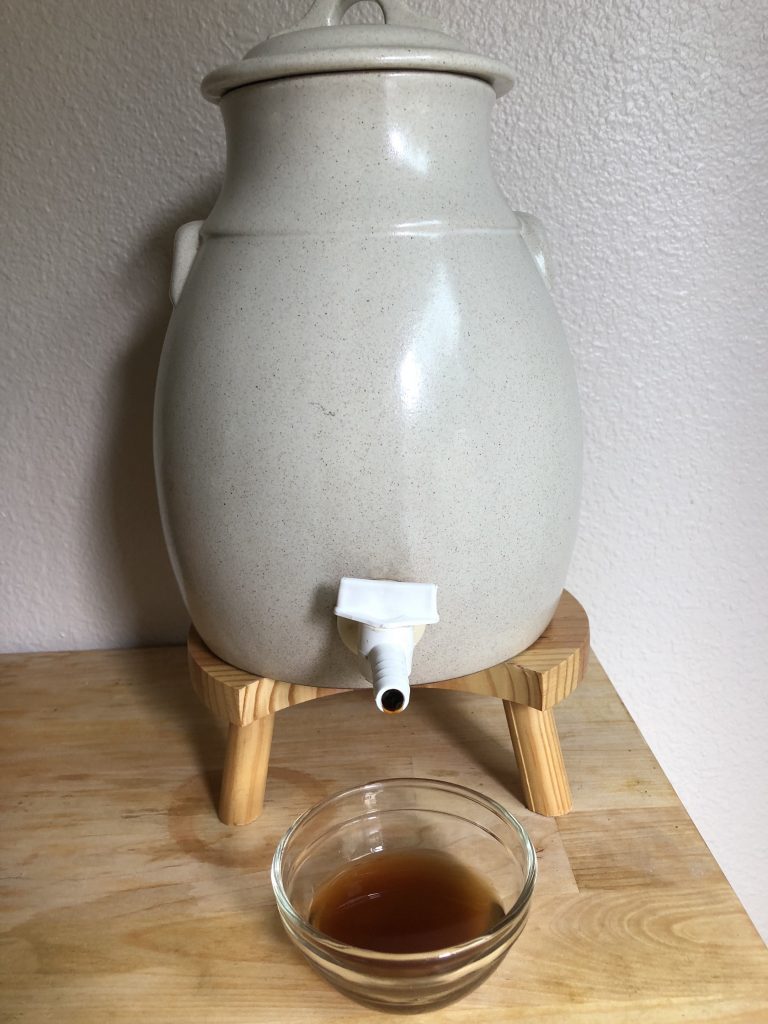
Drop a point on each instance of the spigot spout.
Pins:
(388, 650)
(389, 675)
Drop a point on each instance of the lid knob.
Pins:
(325, 13)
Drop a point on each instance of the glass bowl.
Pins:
(402, 816)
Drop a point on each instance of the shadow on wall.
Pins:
(150, 606)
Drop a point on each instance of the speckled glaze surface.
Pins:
(365, 376)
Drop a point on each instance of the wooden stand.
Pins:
(530, 684)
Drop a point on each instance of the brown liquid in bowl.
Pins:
(406, 901)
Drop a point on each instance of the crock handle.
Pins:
(185, 246)
(535, 237)
(325, 13)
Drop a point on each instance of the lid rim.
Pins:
(253, 70)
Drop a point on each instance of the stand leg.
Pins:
(245, 771)
(539, 758)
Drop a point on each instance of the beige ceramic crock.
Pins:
(364, 374)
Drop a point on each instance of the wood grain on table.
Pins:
(124, 898)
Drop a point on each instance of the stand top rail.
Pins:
(540, 676)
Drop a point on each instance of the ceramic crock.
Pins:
(364, 373)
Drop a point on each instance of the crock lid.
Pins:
(320, 43)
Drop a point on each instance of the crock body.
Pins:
(365, 376)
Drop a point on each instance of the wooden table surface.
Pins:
(125, 899)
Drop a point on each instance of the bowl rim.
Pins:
(499, 930)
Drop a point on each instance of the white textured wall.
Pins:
(638, 132)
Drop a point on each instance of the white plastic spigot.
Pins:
(382, 621)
